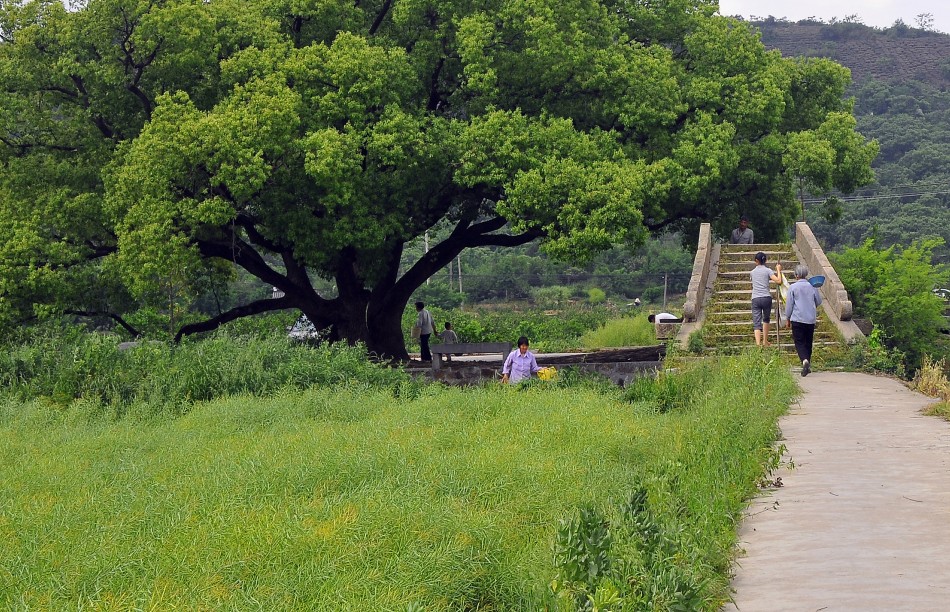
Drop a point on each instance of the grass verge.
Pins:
(407, 497)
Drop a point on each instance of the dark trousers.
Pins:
(424, 347)
(804, 336)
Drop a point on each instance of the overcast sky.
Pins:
(878, 13)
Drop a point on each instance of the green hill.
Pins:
(901, 77)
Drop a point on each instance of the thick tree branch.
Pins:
(249, 225)
(244, 255)
(97, 119)
(94, 313)
(23, 147)
(380, 17)
(235, 313)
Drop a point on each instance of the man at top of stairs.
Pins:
(742, 234)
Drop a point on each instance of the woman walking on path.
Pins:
(762, 297)
(801, 312)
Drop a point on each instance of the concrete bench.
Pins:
(467, 348)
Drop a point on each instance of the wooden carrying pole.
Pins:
(778, 309)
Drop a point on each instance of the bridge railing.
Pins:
(813, 256)
(696, 292)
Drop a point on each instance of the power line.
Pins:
(877, 197)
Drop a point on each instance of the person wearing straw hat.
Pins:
(801, 314)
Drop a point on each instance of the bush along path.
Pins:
(861, 522)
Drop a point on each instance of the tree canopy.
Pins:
(149, 147)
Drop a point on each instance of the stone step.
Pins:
(737, 315)
(744, 275)
(788, 265)
(736, 294)
(770, 253)
(785, 346)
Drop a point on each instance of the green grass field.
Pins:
(399, 498)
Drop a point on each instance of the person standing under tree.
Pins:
(762, 297)
(742, 234)
(801, 312)
(426, 327)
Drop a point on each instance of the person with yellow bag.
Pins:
(520, 364)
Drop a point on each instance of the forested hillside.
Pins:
(900, 85)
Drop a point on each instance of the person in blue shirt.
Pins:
(801, 314)
(520, 364)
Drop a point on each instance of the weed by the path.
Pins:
(931, 379)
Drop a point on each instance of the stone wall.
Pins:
(697, 282)
(474, 373)
(813, 256)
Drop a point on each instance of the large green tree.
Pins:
(148, 146)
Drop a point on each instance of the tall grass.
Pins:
(65, 366)
(422, 497)
(628, 331)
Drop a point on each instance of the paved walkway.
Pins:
(863, 520)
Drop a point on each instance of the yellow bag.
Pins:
(549, 373)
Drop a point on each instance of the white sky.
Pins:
(877, 13)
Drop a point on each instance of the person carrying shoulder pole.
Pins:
(762, 297)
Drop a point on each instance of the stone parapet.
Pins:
(813, 256)
(696, 292)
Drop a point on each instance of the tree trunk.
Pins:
(358, 320)
(386, 339)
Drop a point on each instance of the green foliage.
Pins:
(635, 550)
(596, 296)
(548, 332)
(874, 355)
(438, 294)
(626, 331)
(457, 493)
(669, 390)
(893, 287)
(73, 365)
(696, 343)
(552, 297)
(582, 548)
(150, 148)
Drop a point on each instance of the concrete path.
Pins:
(863, 520)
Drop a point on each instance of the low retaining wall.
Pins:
(619, 365)
(473, 373)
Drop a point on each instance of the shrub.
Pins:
(696, 344)
(893, 287)
(596, 296)
(552, 297)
